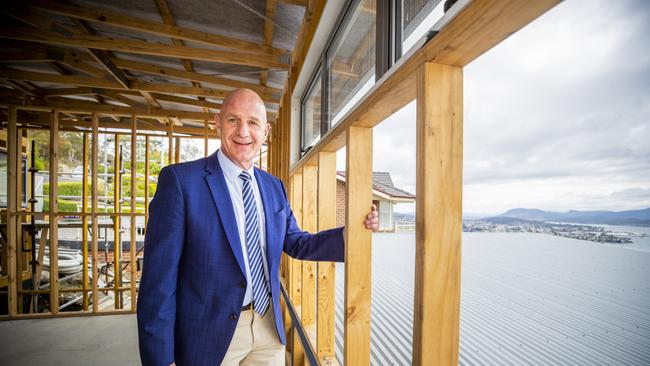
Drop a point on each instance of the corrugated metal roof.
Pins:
(526, 299)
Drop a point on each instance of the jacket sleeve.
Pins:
(157, 295)
(326, 245)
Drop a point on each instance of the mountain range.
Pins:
(631, 217)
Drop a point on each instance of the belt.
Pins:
(247, 306)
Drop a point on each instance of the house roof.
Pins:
(382, 182)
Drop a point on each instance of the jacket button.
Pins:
(242, 284)
(234, 316)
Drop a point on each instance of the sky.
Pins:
(556, 117)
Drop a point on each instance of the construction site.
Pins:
(97, 97)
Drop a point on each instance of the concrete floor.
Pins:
(92, 340)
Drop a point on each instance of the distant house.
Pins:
(384, 194)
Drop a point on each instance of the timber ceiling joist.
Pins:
(166, 60)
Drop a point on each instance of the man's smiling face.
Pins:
(243, 127)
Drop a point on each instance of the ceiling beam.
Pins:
(295, 2)
(140, 47)
(265, 92)
(43, 118)
(112, 94)
(25, 89)
(187, 101)
(271, 7)
(103, 57)
(77, 106)
(7, 73)
(147, 26)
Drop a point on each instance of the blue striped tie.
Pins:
(260, 288)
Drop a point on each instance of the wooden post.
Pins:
(13, 150)
(117, 238)
(94, 165)
(54, 210)
(326, 270)
(206, 132)
(295, 279)
(146, 180)
(436, 314)
(134, 184)
(170, 136)
(84, 225)
(358, 248)
(177, 151)
(309, 223)
(21, 259)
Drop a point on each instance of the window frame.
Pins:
(317, 73)
(388, 50)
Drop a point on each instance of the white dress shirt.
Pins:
(231, 172)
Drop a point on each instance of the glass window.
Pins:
(351, 59)
(311, 111)
(418, 17)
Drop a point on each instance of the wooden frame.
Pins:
(54, 210)
(432, 74)
(326, 270)
(358, 248)
(12, 198)
(439, 158)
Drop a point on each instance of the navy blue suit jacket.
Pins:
(193, 281)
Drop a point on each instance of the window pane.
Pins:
(351, 59)
(418, 17)
(312, 114)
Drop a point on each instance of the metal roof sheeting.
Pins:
(526, 299)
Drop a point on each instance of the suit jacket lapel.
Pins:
(268, 215)
(217, 183)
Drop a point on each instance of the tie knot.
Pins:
(245, 176)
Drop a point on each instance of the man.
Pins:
(210, 289)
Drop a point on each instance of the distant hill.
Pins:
(632, 217)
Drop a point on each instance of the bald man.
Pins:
(210, 287)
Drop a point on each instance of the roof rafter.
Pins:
(271, 7)
(78, 106)
(143, 25)
(265, 92)
(7, 73)
(140, 47)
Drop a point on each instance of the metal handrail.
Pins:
(296, 324)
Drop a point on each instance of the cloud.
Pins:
(556, 116)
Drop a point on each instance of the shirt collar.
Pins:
(232, 170)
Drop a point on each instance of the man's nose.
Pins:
(242, 129)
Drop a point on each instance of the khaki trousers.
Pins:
(255, 341)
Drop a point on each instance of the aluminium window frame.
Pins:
(318, 72)
(388, 50)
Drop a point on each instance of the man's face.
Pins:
(243, 127)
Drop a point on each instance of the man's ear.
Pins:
(217, 120)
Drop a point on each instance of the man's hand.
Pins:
(372, 219)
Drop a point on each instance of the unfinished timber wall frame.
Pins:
(431, 74)
(16, 214)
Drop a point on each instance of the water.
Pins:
(638, 243)
(526, 299)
